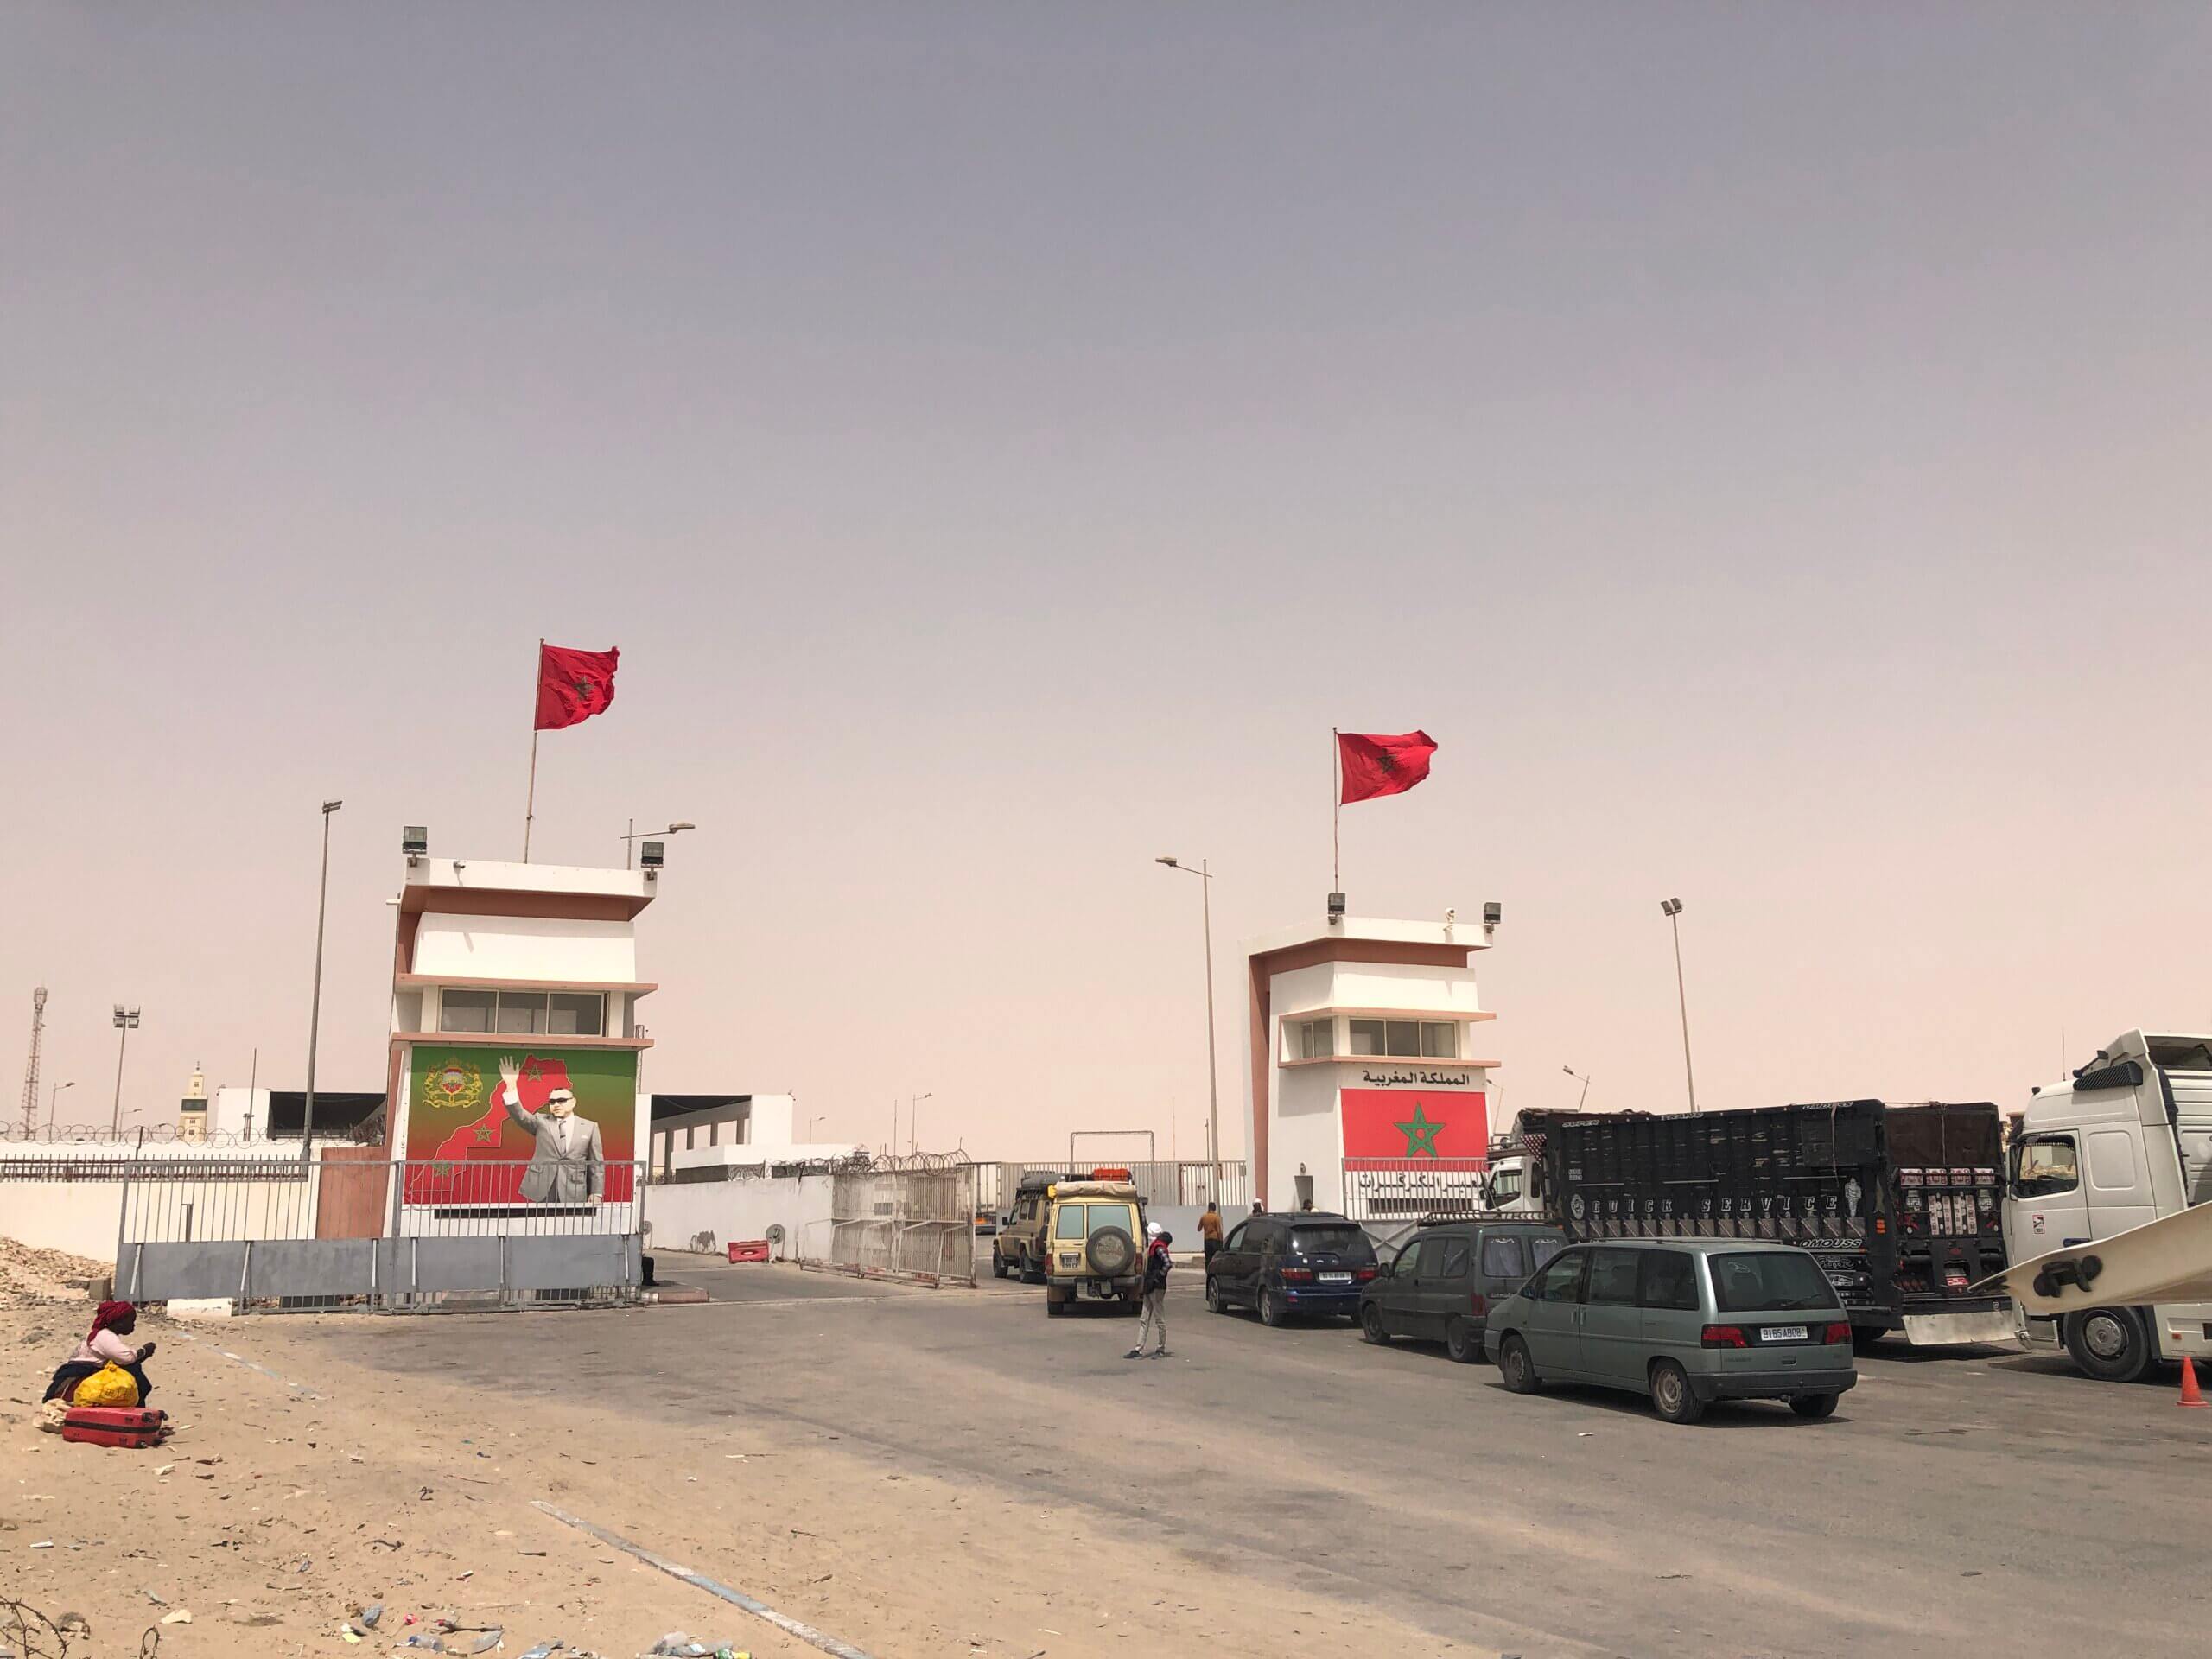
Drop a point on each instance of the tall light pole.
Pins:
(126, 1021)
(315, 1005)
(1213, 1083)
(1672, 910)
(53, 1095)
(913, 1135)
(1584, 1081)
(630, 842)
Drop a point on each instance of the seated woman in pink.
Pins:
(104, 1344)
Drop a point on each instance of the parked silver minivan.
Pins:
(1685, 1320)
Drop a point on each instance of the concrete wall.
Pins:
(1307, 1131)
(525, 947)
(79, 1217)
(84, 1217)
(737, 1210)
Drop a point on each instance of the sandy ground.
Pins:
(292, 1494)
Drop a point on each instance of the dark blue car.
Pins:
(1292, 1262)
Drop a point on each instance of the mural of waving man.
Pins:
(567, 1167)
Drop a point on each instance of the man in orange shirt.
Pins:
(1210, 1230)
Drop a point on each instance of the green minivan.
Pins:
(1685, 1320)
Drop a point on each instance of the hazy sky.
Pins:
(1767, 446)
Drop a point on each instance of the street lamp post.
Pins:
(126, 1021)
(913, 1135)
(1584, 1081)
(1213, 1083)
(52, 1094)
(630, 841)
(315, 1002)
(1672, 910)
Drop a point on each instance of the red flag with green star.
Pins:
(573, 685)
(1415, 1123)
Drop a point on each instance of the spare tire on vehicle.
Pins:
(1111, 1252)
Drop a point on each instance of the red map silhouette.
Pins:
(498, 1145)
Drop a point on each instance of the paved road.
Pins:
(1979, 1504)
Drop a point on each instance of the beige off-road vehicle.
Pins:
(1083, 1240)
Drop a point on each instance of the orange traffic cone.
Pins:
(2189, 1397)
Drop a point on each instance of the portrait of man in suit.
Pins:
(567, 1165)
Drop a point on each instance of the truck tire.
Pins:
(1053, 1305)
(1461, 1342)
(2109, 1343)
(998, 1265)
(1672, 1397)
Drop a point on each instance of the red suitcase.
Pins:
(126, 1425)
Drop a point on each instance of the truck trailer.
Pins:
(1900, 1205)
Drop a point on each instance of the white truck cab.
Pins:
(2126, 1141)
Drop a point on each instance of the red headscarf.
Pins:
(110, 1313)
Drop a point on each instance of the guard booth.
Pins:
(1367, 1090)
(518, 1128)
(509, 1172)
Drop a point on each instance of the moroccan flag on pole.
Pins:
(1374, 764)
(573, 685)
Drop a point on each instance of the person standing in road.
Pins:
(1210, 1231)
(1156, 1267)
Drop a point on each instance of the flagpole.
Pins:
(1336, 811)
(530, 811)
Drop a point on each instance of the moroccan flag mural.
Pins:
(486, 1126)
(1415, 1123)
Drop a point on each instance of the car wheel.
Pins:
(1672, 1397)
(1371, 1326)
(1812, 1405)
(1053, 1305)
(998, 1266)
(1215, 1300)
(1272, 1312)
(2109, 1343)
(1461, 1342)
(1515, 1366)
(1032, 1275)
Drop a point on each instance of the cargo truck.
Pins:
(2126, 1141)
(1900, 1205)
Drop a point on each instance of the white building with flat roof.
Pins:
(1368, 1091)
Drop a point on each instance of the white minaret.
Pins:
(192, 1111)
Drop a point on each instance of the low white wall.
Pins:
(82, 1216)
(79, 1217)
(678, 1211)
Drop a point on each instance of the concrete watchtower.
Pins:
(1365, 1093)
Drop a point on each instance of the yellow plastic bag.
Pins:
(111, 1385)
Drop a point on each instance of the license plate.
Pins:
(1954, 1278)
(1782, 1333)
(1336, 1278)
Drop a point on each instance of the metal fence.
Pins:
(368, 1232)
(916, 1223)
(1164, 1185)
